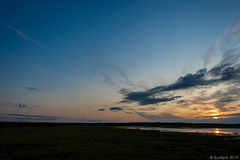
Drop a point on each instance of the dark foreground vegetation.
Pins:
(46, 141)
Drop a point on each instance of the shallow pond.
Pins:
(225, 131)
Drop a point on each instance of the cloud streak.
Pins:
(234, 30)
(18, 105)
(116, 109)
(162, 117)
(223, 100)
(211, 52)
(22, 35)
(31, 89)
(43, 118)
(32, 117)
(108, 80)
(112, 72)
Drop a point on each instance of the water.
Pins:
(225, 131)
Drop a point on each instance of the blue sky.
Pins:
(119, 60)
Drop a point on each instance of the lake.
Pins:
(225, 131)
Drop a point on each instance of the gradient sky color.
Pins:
(120, 60)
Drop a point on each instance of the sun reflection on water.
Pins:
(217, 131)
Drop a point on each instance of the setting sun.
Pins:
(215, 117)
(216, 131)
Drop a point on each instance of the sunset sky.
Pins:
(120, 60)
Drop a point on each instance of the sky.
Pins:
(120, 61)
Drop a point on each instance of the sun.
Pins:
(216, 131)
(215, 117)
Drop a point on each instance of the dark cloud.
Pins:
(32, 117)
(190, 80)
(228, 70)
(102, 109)
(31, 89)
(148, 101)
(20, 105)
(228, 100)
(230, 73)
(217, 70)
(116, 109)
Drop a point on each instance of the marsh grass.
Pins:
(105, 142)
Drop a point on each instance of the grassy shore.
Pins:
(73, 142)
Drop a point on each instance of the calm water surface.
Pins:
(226, 131)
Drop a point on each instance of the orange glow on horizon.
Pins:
(217, 131)
(215, 117)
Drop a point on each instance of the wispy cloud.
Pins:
(113, 73)
(22, 35)
(234, 30)
(43, 118)
(211, 52)
(227, 115)
(116, 109)
(31, 89)
(18, 105)
(32, 117)
(162, 117)
(224, 100)
(119, 73)
(119, 108)
(124, 91)
(108, 80)
(169, 117)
